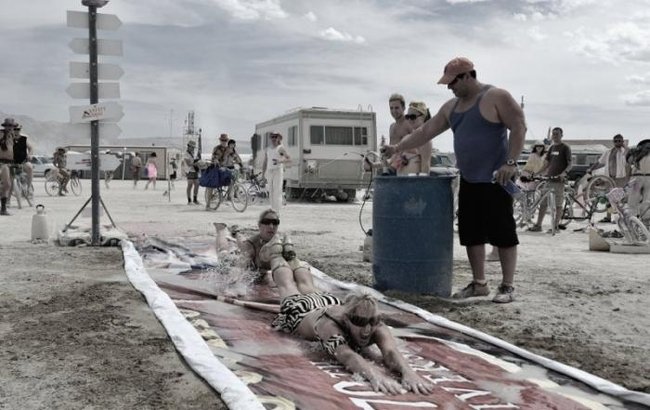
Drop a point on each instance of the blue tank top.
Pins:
(481, 146)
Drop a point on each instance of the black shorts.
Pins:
(485, 215)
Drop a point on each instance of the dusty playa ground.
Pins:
(71, 335)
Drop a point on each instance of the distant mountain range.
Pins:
(45, 136)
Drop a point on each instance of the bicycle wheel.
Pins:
(75, 186)
(638, 231)
(239, 197)
(17, 191)
(552, 211)
(567, 211)
(27, 191)
(596, 190)
(213, 197)
(52, 186)
(254, 194)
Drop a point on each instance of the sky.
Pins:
(582, 65)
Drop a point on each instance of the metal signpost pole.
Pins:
(94, 125)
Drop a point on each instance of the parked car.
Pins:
(42, 165)
(443, 164)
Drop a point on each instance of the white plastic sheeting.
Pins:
(191, 346)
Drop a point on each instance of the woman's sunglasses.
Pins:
(361, 321)
(266, 221)
(411, 117)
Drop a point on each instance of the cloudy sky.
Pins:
(580, 64)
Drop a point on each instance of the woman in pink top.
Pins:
(152, 170)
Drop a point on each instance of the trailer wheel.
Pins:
(352, 194)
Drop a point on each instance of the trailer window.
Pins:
(292, 137)
(338, 136)
(360, 136)
(316, 135)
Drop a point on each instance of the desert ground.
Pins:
(75, 334)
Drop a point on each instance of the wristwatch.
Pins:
(511, 163)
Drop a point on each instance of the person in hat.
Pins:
(60, 161)
(480, 117)
(417, 114)
(6, 160)
(136, 166)
(23, 151)
(219, 152)
(273, 169)
(190, 168)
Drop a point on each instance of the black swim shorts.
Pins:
(485, 215)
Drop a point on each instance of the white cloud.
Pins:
(641, 98)
(333, 34)
(536, 33)
(637, 79)
(311, 16)
(617, 42)
(253, 9)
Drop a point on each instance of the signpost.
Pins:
(94, 90)
(100, 111)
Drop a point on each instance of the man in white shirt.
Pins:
(615, 166)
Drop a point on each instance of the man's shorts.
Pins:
(485, 215)
(558, 190)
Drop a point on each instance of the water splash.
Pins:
(227, 278)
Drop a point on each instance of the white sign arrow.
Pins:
(106, 130)
(105, 71)
(79, 19)
(101, 111)
(105, 90)
(104, 47)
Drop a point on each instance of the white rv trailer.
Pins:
(326, 147)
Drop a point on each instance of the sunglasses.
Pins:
(361, 321)
(458, 77)
(268, 221)
(411, 117)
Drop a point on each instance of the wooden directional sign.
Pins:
(106, 130)
(105, 90)
(79, 19)
(101, 111)
(104, 47)
(105, 71)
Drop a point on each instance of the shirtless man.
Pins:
(6, 159)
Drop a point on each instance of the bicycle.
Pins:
(632, 228)
(588, 206)
(20, 189)
(53, 182)
(597, 189)
(235, 192)
(527, 203)
(256, 188)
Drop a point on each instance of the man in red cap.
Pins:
(480, 116)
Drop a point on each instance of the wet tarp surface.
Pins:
(284, 371)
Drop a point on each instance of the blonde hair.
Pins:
(419, 106)
(360, 303)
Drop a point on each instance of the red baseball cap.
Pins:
(458, 65)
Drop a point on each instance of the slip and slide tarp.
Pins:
(258, 367)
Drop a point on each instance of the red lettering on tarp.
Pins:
(365, 404)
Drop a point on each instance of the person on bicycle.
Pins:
(6, 160)
(23, 151)
(219, 151)
(60, 162)
(557, 163)
(614, 165)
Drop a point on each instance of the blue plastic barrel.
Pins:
(412, 224)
